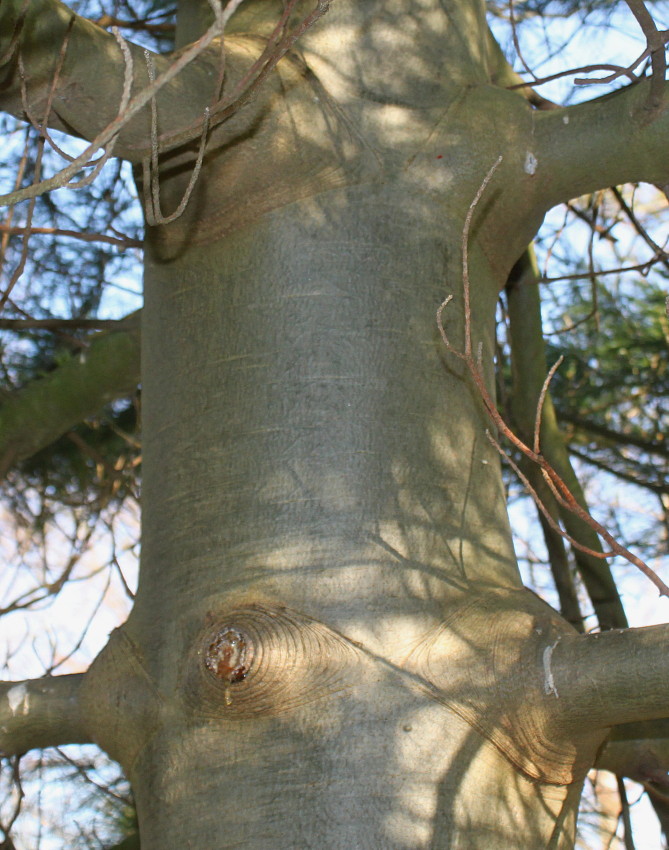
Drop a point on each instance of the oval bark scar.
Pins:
(260, 660)
(228, 656)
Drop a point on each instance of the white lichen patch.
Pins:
(19, 699)
(530, 163)
(549, 682)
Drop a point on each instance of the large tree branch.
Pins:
(41, 713)
(609, 678)
(49, 406)
(601, 143)
(629, 745)
(53, 61)
(89, 79)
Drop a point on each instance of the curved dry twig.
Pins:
(122, 242)
(150, 166)
(542, 507)
(541, 402)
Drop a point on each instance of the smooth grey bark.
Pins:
(41, 713)
(330, 645)
(604, 142)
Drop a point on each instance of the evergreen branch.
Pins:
(49, 406)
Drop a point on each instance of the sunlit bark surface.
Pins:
(330, 646)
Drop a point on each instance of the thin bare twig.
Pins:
(18, 271)
(41, 126)
(644, 268)
(617, 71)
(542, 401)
(572, 325)
(119, 241)
(539, 503)
(279, 43)
(150, 167)
(10, 212)
(15, 762)
(655, 41)
(465, 254)
(660, 252)
(516, 41)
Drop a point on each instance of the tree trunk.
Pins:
(331, 646)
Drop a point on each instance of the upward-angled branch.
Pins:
(91, 84)
(49, 406)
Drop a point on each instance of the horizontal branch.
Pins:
(41, 713)
(49, 406)
(605, 142)
(608, 678)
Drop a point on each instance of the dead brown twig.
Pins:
(557, 486)
(119, 241)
